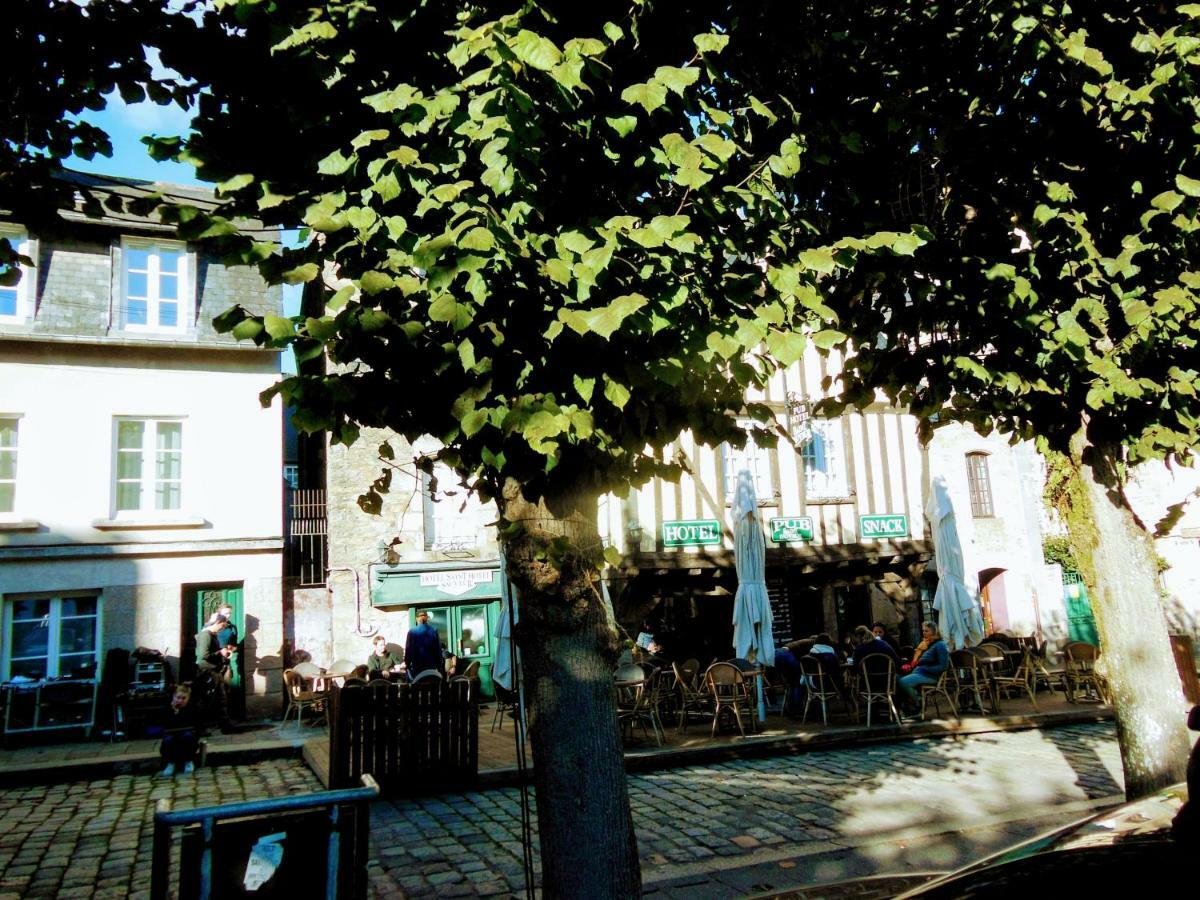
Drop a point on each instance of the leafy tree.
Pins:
(65, 58)
(1048, 154)
(564, 243)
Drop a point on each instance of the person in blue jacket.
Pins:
(423, 648)
(929, 665)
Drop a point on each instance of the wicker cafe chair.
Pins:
(299, 699)
(728, 690)
(877, 683)
(690, 699)
(818, 686)
(506, 702)
(1080, 678)
(940, 687)
(636, 701)
(973, 681)
(1022, 679)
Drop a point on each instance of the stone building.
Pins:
(140, 481)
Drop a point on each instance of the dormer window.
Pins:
(14, 298)
(155, 280)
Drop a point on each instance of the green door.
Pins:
(466, 631)
(200, 602)
(1081, 624)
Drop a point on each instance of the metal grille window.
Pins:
(980, 485)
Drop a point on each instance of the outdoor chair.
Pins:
(996, 650)
(1080, 678)
(429, 675)
(1022, 679)
(506, 702)
(1043, 674)
(728, 689)
(974, 678)
(877, 683)
(307, 669)
(636, 702)
(300, 699)
(818, 686)
(941, 687)
(690, 668)
(690, 699)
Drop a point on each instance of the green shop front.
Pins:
(463, 602)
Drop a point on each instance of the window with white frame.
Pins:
(753, 457)
(8, 463)
(14, 298)
(149, 466)
(824, 461)
(453, 518)
(51, 637)
(154, 283)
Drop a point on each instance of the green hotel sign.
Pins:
(886, 526)
(791, 531)
(691, 533)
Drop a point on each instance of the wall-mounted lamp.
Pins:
(800, 418)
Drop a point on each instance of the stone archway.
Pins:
(993, 595)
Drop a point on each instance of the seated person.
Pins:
(471, 645)
(880, 631)
(181, 734)
(867, 642)
(382, 663)
(823, 651)
(930, 664)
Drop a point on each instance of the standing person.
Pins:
(381, 663)
(181, 734)
(227, 640)
(423, 648)
(930, 664)
(212, 661)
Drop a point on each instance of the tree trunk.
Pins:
(568, 650)
(1116, 559)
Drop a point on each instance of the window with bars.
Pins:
(980, 485)
(149, 466)
(51, 637)
(753, 457)
(8, 463)
(824, 461)
(154, 283)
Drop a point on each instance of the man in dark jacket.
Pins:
(423, 648)
(213, 660)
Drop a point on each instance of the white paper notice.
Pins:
(265, 857)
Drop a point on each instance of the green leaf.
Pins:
(374, 282)
(675, 78)
(786, 347)
(480, 239)
(1189, 186)
(584, 387)
(612, 555)
(335, 163)
(616, 394)
(448, 308)
(818, 259)
(278, 327)
(301, 274)
(321, 329)
(535, 50)
(622, 125)
(1024, 24)
(710, 43)
(247, 329)
(366, 137)
(613, 31)
(650, 95)
(828, 338)
(473, 422)
(236, 183)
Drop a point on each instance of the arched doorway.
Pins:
(993, 596)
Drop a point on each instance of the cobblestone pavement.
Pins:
(735, 813)
(94, 838)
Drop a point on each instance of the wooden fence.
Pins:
(412, 738)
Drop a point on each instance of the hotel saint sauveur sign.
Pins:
(793, 530)
(883, 526)
(695, 532)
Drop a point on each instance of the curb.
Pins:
(836, 738)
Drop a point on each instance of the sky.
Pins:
(125, 125)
